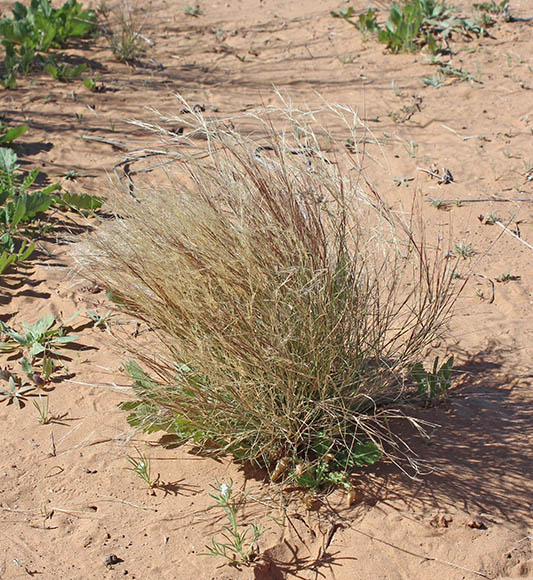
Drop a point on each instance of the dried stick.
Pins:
(498, 199)
(111, 142)
(511, 233)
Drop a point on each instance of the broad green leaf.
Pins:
(36, 349)
(14, 133)
(79, 201)
(8, 161)
(64, 339)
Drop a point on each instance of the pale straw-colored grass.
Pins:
(287, 299)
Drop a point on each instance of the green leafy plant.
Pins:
(464, 249)
(36, 29)
(141, 466)
(335, 462)
(22, 208)
(10, 134)
(239, 545)
(192, 10)
(71, 175)
(284, 306)
(492, 7)
(16, 392)
(92, 84)
(445, 71)
(44, 336)
(438, 203)
(506, 277)
(99, 320)
(64, 72)
(433, 386)
(413, 24)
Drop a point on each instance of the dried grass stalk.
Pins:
(289, 303)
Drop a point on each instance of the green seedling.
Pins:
(10, 134)
(506, 277)
(17, 204)
(11, 257)
(71, 175)
(36, 339)
(93, 86)
(402, 181)
(492, 7)
(450, 71)
(437, 203)
(141, 466)
(489, 220)
(436, 81)
(16, 392)
(351, 145)
(432, 386)
(464, 249)
(239, 545)
(39, 374)
(99, 320)
(334, 463)
(42, 409)
(192, 10)
(64, 72)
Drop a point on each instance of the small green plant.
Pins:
(64, 72)
(71, 175)
(413, 24)
(490, 220)
(436, 81)
(450, 71)
(334, 462)
(464, 249)
(124, 34)
(506, 277)
(42, 409)
(99, 320)
(192, 10)
(22, 208)
(438, 203)
(239, 545)
(10, 255)
(402, 181)
(35, 340)
(92, 84)
(433, 386)
(141, 466)
(35, 30)
(10, 134)
(492, 7)
(16, 391)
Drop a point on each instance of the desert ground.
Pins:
(67, 503)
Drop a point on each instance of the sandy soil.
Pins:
(66, 501)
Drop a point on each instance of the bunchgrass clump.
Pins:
(289, 301)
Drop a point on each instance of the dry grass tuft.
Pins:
(289, 303)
